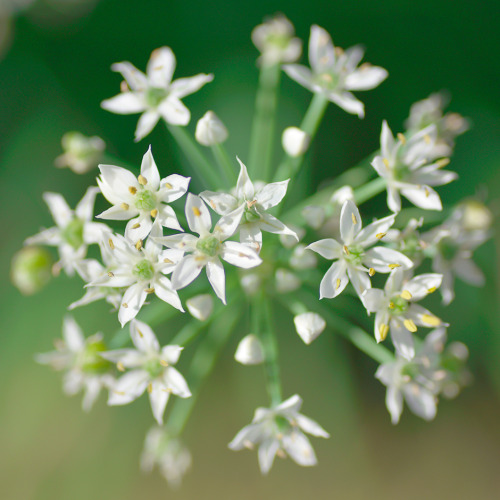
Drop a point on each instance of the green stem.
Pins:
(314, 114)
(369, 190)
(226, 167)
(261, 142)
(201, 167)
(201, 365)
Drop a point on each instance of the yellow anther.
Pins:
(120, 393)
(427, 138)
(110, 274)
(168, 185)
(150, 388)
(111, 244)
(337, 284)
(163, 363)
(125, 206)
(391, 305)
(168, 261)
(213, 205)
(427, 192)
(393, 266)
(431, 290)
(365, 66)
(338, 51)
(279, 452)
(379, 236)
(138, 245)
(125, 305)
(371, 271)
(124, 86)
(140, 333)
(132, 189)
(250, 204)
(354, 220)
(402, 138)
(346, 250)
(149, 290)
(383, 330)
(442, 162)
(142, 180)
(386, 162)
(327, 78)
(405, 294)
(136, 226)
(120, 366)
(154, 212)
(431, 320)
(248, 444)
(410, 325)
(196, 211)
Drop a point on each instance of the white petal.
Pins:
(128, 387)
(197, 215)
(164, 291)
(309, 325)
(158, 398)
(382, 259)
(420, 401)
(420, 286)
(402, 340)
(310, 426)
(271, 194)
(171, 353)
(210, 130)
(146, 124)
(136, 79)
(72, 334)
(221, 203)
(373, 300)
(126, 103)
(295, 141)
(301, 74)
(185, 86)
(85, 208)
(134, 297)
(228, 224)
(116, 212)
(173, 187)
(380, 167)
(366, 78)
(200, 306)
(321, 50)
(359, 280)
(130, 358)
(299, 449)
(217, 278)
(186, 271)
(271, 224)
(161, 67)
(176, 383)
(244, 187)
(149, 171)
(393, 199)
(267, 452)
(180, 241)
(468, 271)
(174, 112)
(59, 209)
(382, 321)
(394, 282)
(240, 255)
(249, 351)
(334, 281)
(117, 182)
(368, 235)
(348, 103)
(422, 196)
(350, 222)
(92, 390)
(51, 236)
(143, 337)
(394, 403)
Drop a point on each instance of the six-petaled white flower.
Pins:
(141, 200)
(280, 430)
(334, 73)
(154, 94)
(151, 369)
(354, 261)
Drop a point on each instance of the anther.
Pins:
(125, 206)
(168, 261)
(132, 189)
(337, 285)
(402, 138)
(354, 220)
(124, 86)
(168, 185)
(427, 192)
(427, 138)
(163, 363)
(154, 212)
(150, 388)
(405, 294)
(125, 305)
(431, 290)
(383, 331)
(391, 305)
(386, 162)
(442, 162)
(196, 211)
(111, 244)
(138, 245)
(136, 226)
(110, 274)
(393, 266)
(142, 180)
(379, 236)
(371, 271)
(410, 325)
(120, 367)
(428, 319)
(140, 333)
(149, 290)
(346, 250)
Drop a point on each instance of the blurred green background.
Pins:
(52, 79)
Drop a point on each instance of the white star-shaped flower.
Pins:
(255, 201)
(208, 248)
(79, 358)
(151, 369)
(141, 200)
(396, 310)
(141, 271)
(278, 431)
(354, 261)
(154, 94)
(74, 229)
(334, 72)
(404, 164)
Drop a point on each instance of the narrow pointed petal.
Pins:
(136, 79)
(228, 224)
(420, 286)
(217, 278)
(469, 272)
(92, 390)
(393, 199)
(383, 259)
(271, 224)
(171, 353)
(164, 291)
(130, 358)
(402, 340)
(348, 103)
(161, 67)
(310, 426)
(138, 228)
(158, 398)
(380, 167)
(350, 222)
(359, 280)
(116, 212)
(420, 401)
(321, 50)
(174, 112)
(128, 387)
(422, 196)
(59, 209)
(85, 208)
(168, 218)
(51, 236)
(366, 78)
(267, 452)
(118, 180)
(174, 381)
(186, 86)
(173, 187)
(72, 334)
(126, 103)
(240, 255)
(143, 337)
(220, 203)
(381, 325)
(244, 186)
(149, 171)
(373, 300)
(133, 299)
(394, 403)
(186, 271)
(334, 281)
(147, 122)
(301, 74)
(299, 449)
(271, 194)
(394, 282)
(197, 215)
(368, 235)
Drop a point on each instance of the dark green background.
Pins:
(53, 80)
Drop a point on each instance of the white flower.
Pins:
(396, 309)
(31, 269)
(143, 199)
(79, 358)
(334, 73)
(154, 94)
(279, 430)
(354, 262)
(309, 325)
(81, 153)
(141, 270)
(405, 166)
(255, 203)
(168, 453)
(418, 381)
(200, 306)
(210, 130)
(276, 42)
(152, 370)
(249, 351)
(207, 249)
(295, 141)
(73, 231)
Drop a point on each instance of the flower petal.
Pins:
(164, 291)
(136, 79)
(197, 215)
(175, 382)
(217, 278)
(174, 112)
(132, 301)
(328, 248)
(146, 124)
(368, 235)
(240, 255)
(149, 171)
(366, 78)
(186, 271)
(161, 67)
(126, 103)
(158, 398)
(59, 209)
(334, 281)
(143, 337)
(321, 50)
(271, 194)
(350, 222)
(185, 86)
(402, 340)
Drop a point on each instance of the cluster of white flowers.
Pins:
(163, 247)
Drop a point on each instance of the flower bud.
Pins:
(249, 351)
(31, 269)
(309, 325)
(286, 281)
(81, 153)
(476, 216)
(314, 216)
(200, 306)
(295, 141)
(210, 130)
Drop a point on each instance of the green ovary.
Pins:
(398, 306)
(329, 81)
(144, 270)
(154, 368)
(209, 246)
(92, 362)
(250, 215)
(145, 200)
(355, 254)
(282, 424)
(154, 96)
(73, 233)
(447, 249)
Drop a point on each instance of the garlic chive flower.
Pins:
(80, 359)
(81, 153)
(143, 199)
(151, 369)
(154, 94)
(334, 73)
(397, 312)
(209, 247)
(140, 271)
(280, 431)
(355, 261)
(74, 229)
(405, 166)
(254, 201)
(31, 269)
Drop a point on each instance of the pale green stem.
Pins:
(226, 167)
(201, 167)
(314, 114)
(201, 365)
(369, 190)
(261, 142)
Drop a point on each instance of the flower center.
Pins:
(354, 254)
(447, 248)
(251, 214)
(398, 305)
(282, 424)
(145, 200)
(279, 40)
(154, 368)
(144, 270)
(91, 362)
(154, 96)
(73, 233)
(329, 81)
(209, 246)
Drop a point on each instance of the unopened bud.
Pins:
(309, 325)
(249, 351)
(31, 269)
(295, 141)
(210, 130)
(200, 306)
(81, 153)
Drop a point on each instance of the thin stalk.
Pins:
(226, 167)
(370, 190)
(261, 142)
(201, 167)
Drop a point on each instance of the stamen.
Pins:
(354, 220)
(410, 325)
(393, 266)
(136, 226)
(405, 294)
(402, 138)
(431, 290)
(124, 86)
(110, 274)
(337, 285)
(386, 162)
(427, 138)
(280, 453)
(125, 206)
(427, 192)
(392, 305)
(111, 244)
(168, 261)
(383, 331)
(431, 320)
(379, 236)
(248, 444)
(149, 290)
(212, 204)
(150, 388)
(142, 180)
(154, 212)
(338, 51)
(132, 189)
(140, 333)
(196, 211)
(138, 245)
(346, 250)
(168, 185)
(120, 366)
(163, 363)
(371, 271)
(442, 162)
(125, 305)
(120, 393)
(250, 204)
